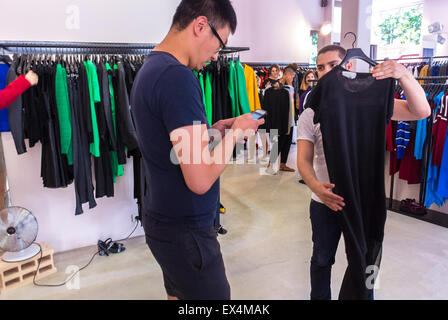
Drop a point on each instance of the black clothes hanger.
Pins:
(356, 53)
(6, 60)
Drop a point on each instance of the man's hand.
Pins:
(390, 69)
(331, 200)
(245, 126)
(32, 78)
(222, 125)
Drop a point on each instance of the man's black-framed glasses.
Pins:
(223, 45)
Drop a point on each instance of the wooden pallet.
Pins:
(17, 274)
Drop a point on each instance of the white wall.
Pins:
(276, 31)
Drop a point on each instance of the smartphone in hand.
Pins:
(259, 114)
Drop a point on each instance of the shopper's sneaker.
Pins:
(264, 160)
(252, 160)
(271, 171)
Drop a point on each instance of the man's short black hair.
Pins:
(219, 12)
(341, 51)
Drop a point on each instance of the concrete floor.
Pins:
(266, 251)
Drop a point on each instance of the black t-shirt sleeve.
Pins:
(313, 101)
(180, 99)
(391, 101)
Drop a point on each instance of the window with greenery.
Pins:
(404, 28)
(314, 40)
(396, 27)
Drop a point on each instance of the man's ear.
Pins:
(199, 25)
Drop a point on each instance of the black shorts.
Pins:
(191, 261)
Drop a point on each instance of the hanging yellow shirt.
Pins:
(423, 73)
(252, 88)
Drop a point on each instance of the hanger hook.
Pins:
(354, 34)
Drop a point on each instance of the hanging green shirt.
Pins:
(233, 90)
(63, 107)
(242, 89)
(94, 90)
(117, 169)
(208, 98)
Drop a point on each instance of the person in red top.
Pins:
(16, 88)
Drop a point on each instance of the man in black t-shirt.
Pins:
(174, 138)
(326, 206)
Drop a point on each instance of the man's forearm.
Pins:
(216, 161)
(308, 174)
(415, 96)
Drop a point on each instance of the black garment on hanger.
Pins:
(126, 135)
(15, 114)
(79, 115)
(276, 102)
(353, 116)
(103, 167)
(106, 103)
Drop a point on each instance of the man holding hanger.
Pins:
(325, 205)
(183, 188)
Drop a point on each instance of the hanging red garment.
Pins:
(391, 145)
(410, 167)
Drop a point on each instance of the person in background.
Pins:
(273, 80)
(285, 141)
(17, 88)
(305, 87)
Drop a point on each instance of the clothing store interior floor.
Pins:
(266, 251)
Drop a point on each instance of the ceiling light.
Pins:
(326, 29)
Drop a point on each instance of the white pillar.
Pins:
(356, 17)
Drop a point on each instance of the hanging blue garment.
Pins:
(4, 122)
(437, 101)
(431, 187)
(442, 185)
(420, 137)
(403, 137)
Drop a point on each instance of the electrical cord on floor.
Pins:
(104, 247)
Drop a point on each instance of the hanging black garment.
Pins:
(81, 97)
(276, 102)
(73, 84)
(224, 87)
(15, 114)
(353, 115)
(105, 100)
(86, 112)
(65, 171)
(126, 135)
(218, 96)
(40, 110)
(130, 71)
(102, 164)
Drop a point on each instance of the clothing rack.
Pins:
(62, 47)
(415, 58)
(281, 64)
(432, 216)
